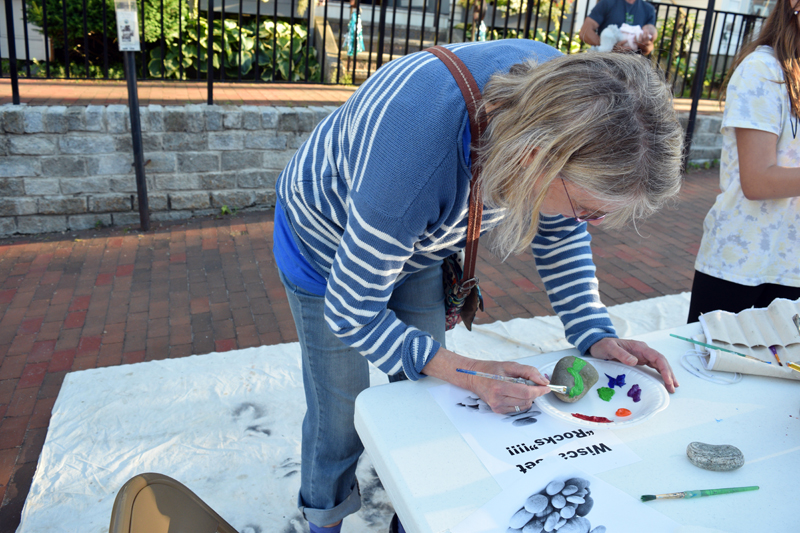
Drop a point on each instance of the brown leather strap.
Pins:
(477, 124)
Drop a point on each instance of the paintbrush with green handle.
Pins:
(694, 493)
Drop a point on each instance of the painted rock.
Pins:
(552, 520)
(599, 529)
(569, 489)
(577, 374)
(720, 458)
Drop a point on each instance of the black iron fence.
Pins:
(305, 41)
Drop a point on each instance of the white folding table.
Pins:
(435, 481)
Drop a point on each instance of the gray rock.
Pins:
(561, 376)
(558, 501)
(513, 530)
(568, 511)
(536, 503)
(569, 489)
(599, 529)
(571, 526)
(719, 458)
(552, 520)
(534, 526)
(579, 482)
(584, 508)
(575, 499)
(583, 523)
(545, 512)
(520, 518)
(554, 487)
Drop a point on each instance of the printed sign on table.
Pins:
(564, 499)
(511, 446)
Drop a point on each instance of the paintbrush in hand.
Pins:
(694, 493)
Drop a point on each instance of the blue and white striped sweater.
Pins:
(380, 191)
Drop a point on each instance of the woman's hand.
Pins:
(505, 397)
(634, 353)
(502, 397)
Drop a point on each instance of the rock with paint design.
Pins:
(577, 374)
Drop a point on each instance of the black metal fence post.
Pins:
(699, 78)
(210, 50)
(129, 60)
(381, 31)
(12, 53)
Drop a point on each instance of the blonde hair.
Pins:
(603, 121)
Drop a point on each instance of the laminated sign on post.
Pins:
(127, 25)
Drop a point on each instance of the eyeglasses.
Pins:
(590, 218)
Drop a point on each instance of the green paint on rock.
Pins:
(605, 393)
(577, 366)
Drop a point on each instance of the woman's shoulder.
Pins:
(761, 59)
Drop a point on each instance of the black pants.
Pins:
(712, 294)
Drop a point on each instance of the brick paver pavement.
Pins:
(117, 296)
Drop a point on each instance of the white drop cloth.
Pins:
(227, 425)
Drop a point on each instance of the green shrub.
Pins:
(238, 56)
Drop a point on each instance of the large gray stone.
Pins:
(213, 115)
(184, 142)
(8, 226)
(12, 187)
(254, 179)
(111, 164)
(265, 197)
(17, 206)
(241, 159)
(189, 200)
(277, 160)
(75, 143)
(118, 119)
(78, 222)
(124, 219)
(14, 119)
(159, 162)
(156, 201)
(95, 118)
(269, 118)
(76, 118)
(265, 140)
(198, 162)
(41, 224)
(34, 119)
(42, 186)
(720, 458)
(296, 119)
(195, 117)
(55, 119)
(155, 118)
(31, 145)
(61, 205)
(84, 185)
(251, 117)
(128, 183)
(231, 117)
(63, 166)
(175, 119)
(226, 140)
(151, 142)
(233, 199)
(218, 180)
(104, 203)
(563, 376)
(177, 182)
(20, 166)
(296, 141)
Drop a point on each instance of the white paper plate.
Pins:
(655, 398)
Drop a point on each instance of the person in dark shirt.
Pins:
(618, 12)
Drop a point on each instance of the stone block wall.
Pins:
(69, 168)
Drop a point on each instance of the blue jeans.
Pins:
(333, 375)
